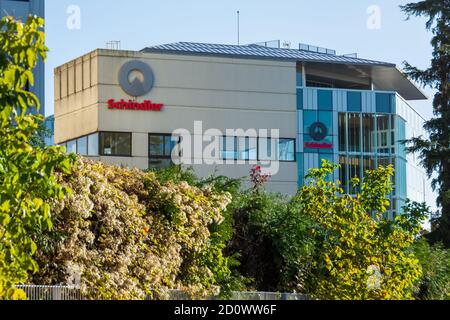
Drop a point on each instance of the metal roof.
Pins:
(258, 52)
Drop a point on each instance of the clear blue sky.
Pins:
(340, 25)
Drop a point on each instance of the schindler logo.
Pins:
(135, 87)
(318, 131)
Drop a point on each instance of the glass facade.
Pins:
(336, 125)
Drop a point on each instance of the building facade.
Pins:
(20, 9)
(125, 107)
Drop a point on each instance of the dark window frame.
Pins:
(100, 151)
(159, 157)
(258, 158)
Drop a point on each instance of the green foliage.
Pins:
(26, 172)
(353, 247)
(271, 240)
(123, 234)
(435, 262)
(213, 256)
(434, 150)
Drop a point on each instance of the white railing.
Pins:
(35, 292)
(51, 292)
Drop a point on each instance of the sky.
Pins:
(76, 27)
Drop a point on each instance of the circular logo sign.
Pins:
(318, 131)
(136, 88)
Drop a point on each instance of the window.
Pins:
(93, 145)
(115, 144)
(270, 151)
(228, 148)
(383, 135)
(354, 132)
(82, 146)
(160, 147)
(286, 150)
(342, 132)
(72, 146)
(368, 133)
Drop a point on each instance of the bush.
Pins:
(435, 262)
(124, 235)
(360, 255)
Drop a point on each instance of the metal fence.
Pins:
(73, 293)
(51, 292)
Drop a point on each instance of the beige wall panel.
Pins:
(172, 118)
(86, 72)
(71, 78)
(209, 98)
(76, 124)
(57, 84)
(79, 75)
(225, 74)
(140, 145)
(64, 82)
(94, 71)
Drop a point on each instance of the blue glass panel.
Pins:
(385, 102)
(325, 99)
(299, 79)
(301, 173)
(354, 101)
(326, 118)
(299, 99)
(309, 117)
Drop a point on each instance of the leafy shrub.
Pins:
(27, 182)
(124, 235)
(435, 262)
(360, 255)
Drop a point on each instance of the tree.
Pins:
(435, 150)
(27, 180)
(435, 262)
(359, 255)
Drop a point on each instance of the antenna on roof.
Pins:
(238, 28)
(113, 45)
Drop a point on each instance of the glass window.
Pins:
(354, 132)
(368, 164)
(342, 132)
(93, 145)
(160, 147)
(325, 100)
(115, 144)
(383, 134)
(72, 146)
(385, 102)
(82, 146)
(286, 150)
(228, 148)
(368, 133)
(343, 173)
(267, 150)
(247, 148)
(354, 171)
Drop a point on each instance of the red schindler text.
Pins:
(147, 105)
